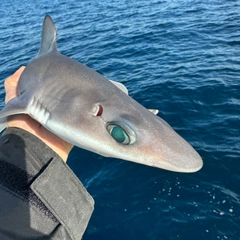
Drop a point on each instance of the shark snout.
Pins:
(189, 163)
(179, 156)
(158, 145)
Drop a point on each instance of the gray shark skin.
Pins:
(91, 112)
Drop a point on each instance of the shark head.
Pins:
(89, 111)
(128, 131)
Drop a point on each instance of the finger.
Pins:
(11, 83)
(12, 80)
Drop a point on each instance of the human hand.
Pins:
(27, 123)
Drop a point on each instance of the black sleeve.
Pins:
(40, 197)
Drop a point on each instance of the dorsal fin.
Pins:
(49, 36)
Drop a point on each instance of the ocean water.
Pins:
(181, 57)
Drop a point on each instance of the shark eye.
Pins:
(118, 134)
(122, 134)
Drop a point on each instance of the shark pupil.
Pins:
(118, 134)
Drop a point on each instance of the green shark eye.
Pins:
(118, 134)
(122, 134)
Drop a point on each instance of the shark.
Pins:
(94, 113)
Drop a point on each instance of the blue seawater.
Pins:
(181, 57)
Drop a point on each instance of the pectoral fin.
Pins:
(154, 111)
(13, 107)
(120, 86)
